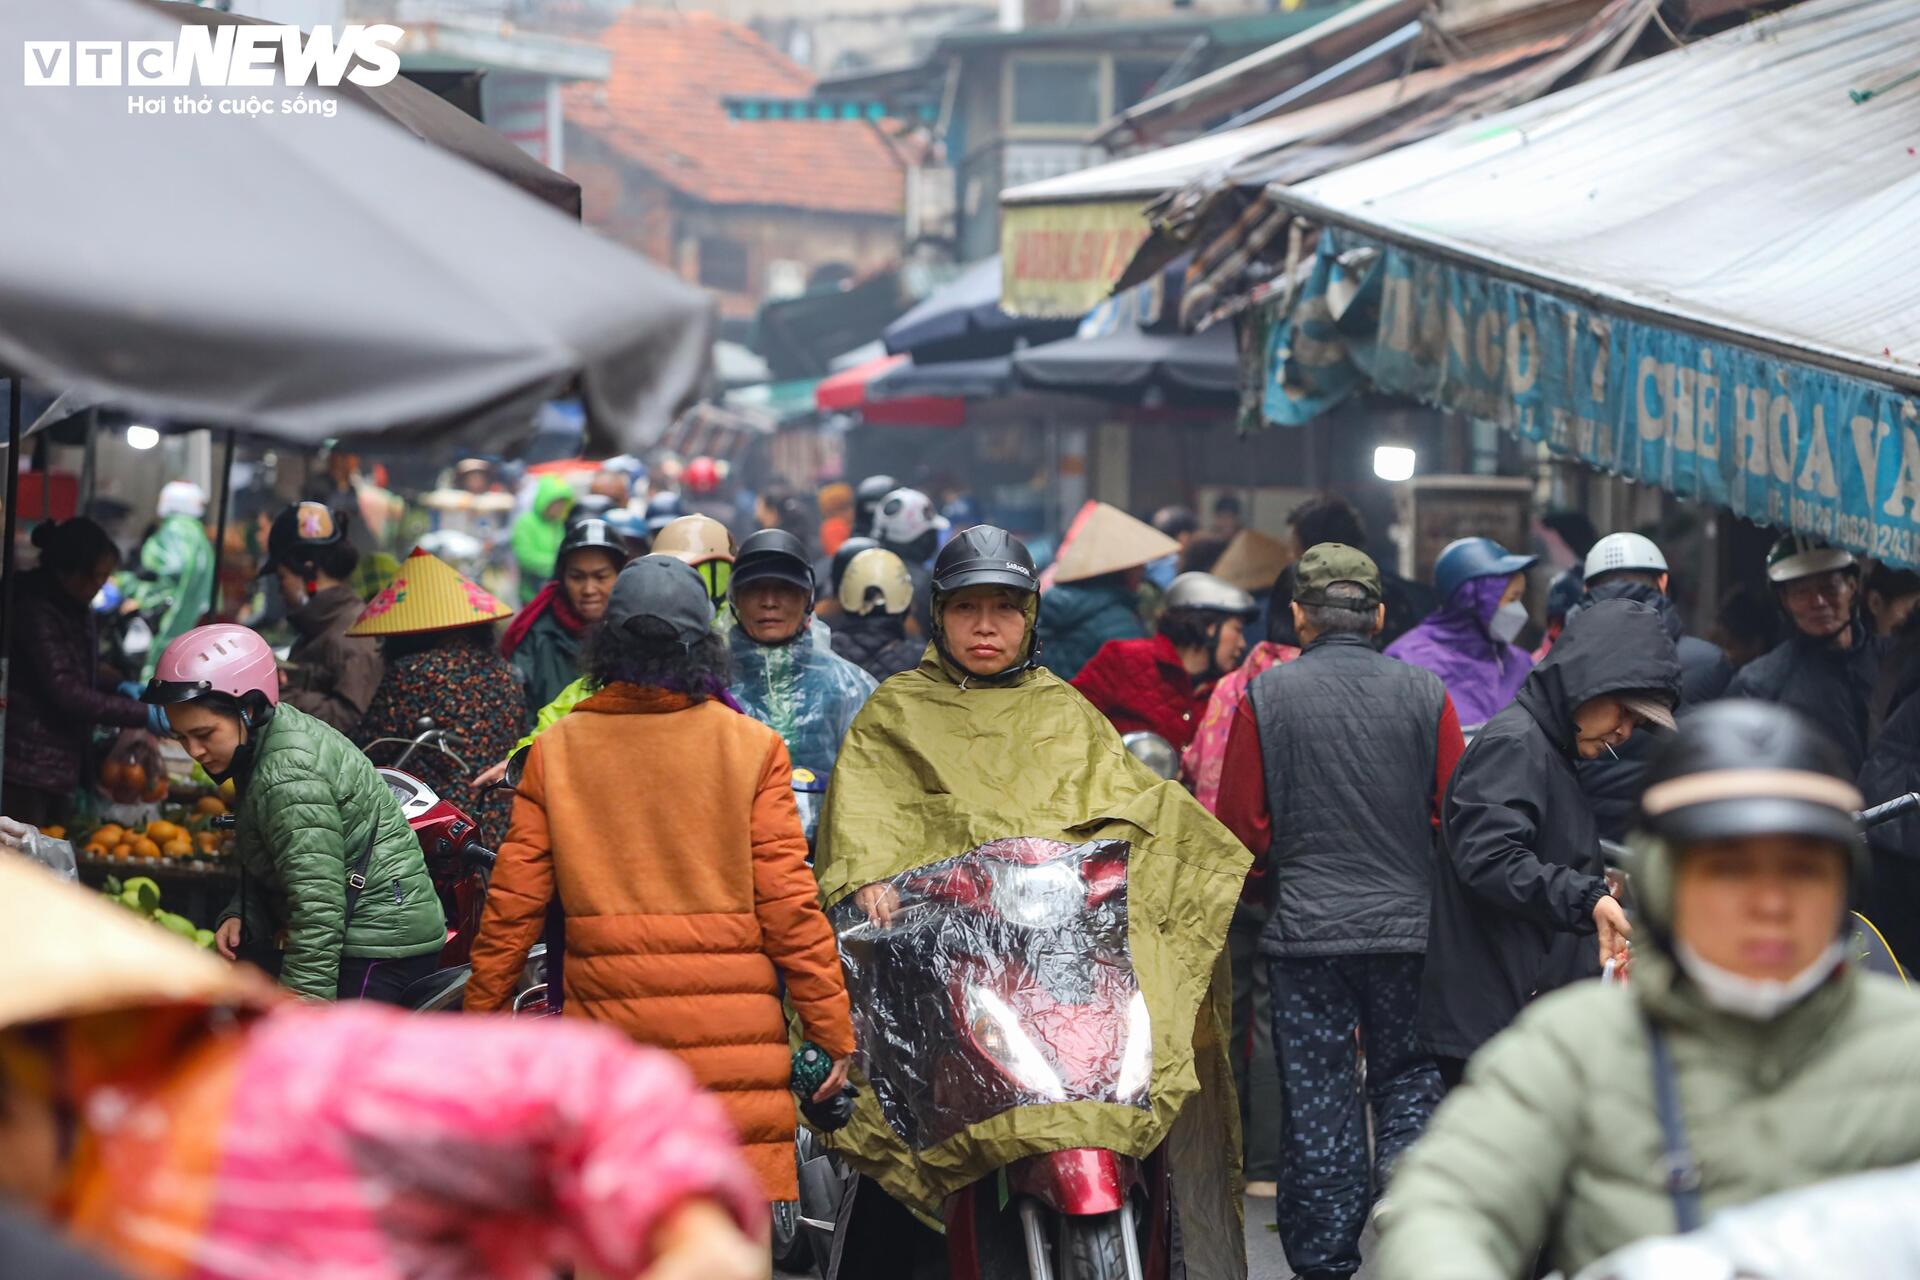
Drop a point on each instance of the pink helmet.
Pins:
(223, 658)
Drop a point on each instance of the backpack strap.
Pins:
(1681, 1170)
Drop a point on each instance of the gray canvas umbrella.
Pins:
(305, 277)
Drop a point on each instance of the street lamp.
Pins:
(139, 437)
(1393, 463)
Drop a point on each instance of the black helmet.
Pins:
(299, 532)
(984, 556)
(773, 553)
(1743, 768)
(867, 497)
(844, 557)
(662, 510)
(591, 534)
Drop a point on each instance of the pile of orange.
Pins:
(158, 839)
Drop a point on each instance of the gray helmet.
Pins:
(1204, 591)
(664, 590)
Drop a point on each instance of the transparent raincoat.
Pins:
(1058, 933)
(175, 576)
(806, 694)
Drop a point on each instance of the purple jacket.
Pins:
(1480, 673)
(57, 698)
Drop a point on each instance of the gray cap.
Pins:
(667, 589)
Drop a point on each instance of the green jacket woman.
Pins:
(176, 566)
(537, 534)
(1787, 1065)
(328, 866)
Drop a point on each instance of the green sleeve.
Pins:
(1475, 1197)
(563, 702)
(305, 836)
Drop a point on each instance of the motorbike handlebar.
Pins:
(1898, 807)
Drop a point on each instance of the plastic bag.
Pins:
(1002, 979)
(30, 842)
(133, 772)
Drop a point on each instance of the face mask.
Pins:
(1759, 999)
(1507, 622)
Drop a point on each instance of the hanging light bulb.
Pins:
(139, 437)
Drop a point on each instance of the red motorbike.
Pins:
(461, 868)
(1002, 979)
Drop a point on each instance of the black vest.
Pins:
(1349, 738)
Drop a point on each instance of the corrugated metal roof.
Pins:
(1735, 184)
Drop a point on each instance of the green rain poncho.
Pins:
(536, 539)
(935, 766)
(176, 563)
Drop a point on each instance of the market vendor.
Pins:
(326, 856)
(58, 696)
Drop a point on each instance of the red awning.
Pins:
(846, 392)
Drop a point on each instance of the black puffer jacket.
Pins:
(1892, 897)
(1513, 899)
(877, 644)
(1613, 786)
(1831, 686)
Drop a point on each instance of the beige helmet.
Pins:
(876, 579)
(695, 539)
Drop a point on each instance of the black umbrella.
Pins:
(1129, 362)
(962, 320)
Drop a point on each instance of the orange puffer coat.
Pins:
(669, 830)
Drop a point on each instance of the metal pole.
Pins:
(220, 523)
(7, 527)
(89, 465)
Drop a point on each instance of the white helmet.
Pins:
(1619, 551)
(905, 514)
(181, 498)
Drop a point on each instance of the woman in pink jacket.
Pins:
(185, 1122)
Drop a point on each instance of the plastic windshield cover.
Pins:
(1002, 979)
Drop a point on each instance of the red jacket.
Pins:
(1143, 685)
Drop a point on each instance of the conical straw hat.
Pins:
(1108, 540)
(428, 595)
(1252, 561)
(71, 952)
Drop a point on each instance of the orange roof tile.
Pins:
(662, 108)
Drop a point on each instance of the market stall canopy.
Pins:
(1128, 348)
(1684, 272)
(1259, 75)
(988, 378)
(428, 117)
(962, 320)
(305, 276)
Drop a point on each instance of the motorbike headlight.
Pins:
(1003, 1039)
(1136, 1060)
(1037, 896)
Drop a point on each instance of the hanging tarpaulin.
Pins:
(1062, 259)
(1777, 440)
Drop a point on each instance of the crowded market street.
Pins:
(959, 639)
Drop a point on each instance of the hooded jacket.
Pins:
(1481, 674)
(331, 675)
(308, 806)
(1614, 785)
(176, 576)
(1829, 685)
(1076, 618)
(57, 698)
(877, 643)
(536, 539)
(804, 693)
(1554, 1141)
(938, 763)
(1513, 899)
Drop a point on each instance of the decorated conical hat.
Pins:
(1252, 561)
(428, 595)
(1107, 540)
(71, 952)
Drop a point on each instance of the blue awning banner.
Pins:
(1780, 441)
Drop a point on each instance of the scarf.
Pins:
(550, 597)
